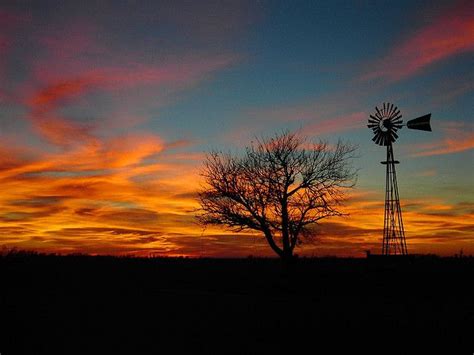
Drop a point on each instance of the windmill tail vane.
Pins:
(421, 123)
(385, 123)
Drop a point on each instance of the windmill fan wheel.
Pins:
(385, 123)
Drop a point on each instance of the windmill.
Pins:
(385, 123)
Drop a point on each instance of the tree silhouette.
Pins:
(280, 186)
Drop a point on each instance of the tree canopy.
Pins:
(281, 187)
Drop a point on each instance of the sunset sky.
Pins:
(108, 107)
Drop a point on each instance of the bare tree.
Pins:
(280, 187)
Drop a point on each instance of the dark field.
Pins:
(83, 305)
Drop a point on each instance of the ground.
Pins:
(84, 305)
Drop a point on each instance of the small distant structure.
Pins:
(385, 123)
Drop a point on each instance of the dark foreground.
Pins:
(84, 305)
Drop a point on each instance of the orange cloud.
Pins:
(109, 199)
(431, 226)
(449, 34)
(455, 140)
(84, 202)
(133, 194)
(98, 184)
(61, 131)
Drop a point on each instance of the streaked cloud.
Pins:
(455, 139)
(328, 114)
(337, 124)
(86, 175)
(448, 34)
(92, 160)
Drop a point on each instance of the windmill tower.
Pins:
(385, 123)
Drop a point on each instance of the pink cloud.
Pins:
(79, 39)
(186, 72)
(61, 131)
(48, 123)
(53, 94)
(342, 123)
(4, 43)
(130, 75)
(452, 88)
(84, 49)
(456, 139)
(449, 34)
(74, 60)
(10, 19)
(315, 119)
(61, 91)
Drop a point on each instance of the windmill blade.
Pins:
(380, 139)
(421, 123)
(374, 118)
(377, 141)
(398, 126)
(394, 113)
(378, 112)
(376, 137)
(394, 136)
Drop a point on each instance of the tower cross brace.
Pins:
(394, 242)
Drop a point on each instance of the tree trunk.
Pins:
(287, 250)
(271, 242)
(288, 255)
